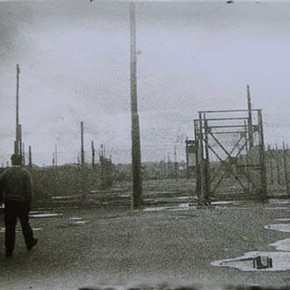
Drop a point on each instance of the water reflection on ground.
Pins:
(280, 258)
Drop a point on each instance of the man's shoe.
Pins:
(34, 243)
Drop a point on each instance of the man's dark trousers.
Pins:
(14, 210)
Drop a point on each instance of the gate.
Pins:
(230, 160)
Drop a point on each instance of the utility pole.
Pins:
(29, 156)
(135, 130)
(93, 154)
(250, 119)
(17, 144)
(20, 140)
(102, 163)
(286, 169)
(277, 164)
(263, 193)
(82, 145)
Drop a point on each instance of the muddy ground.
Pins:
(113, 246)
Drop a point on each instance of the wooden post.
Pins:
(201, 161)
(93, 154)
(197, 160)
(270, 156)
(16, 146)
(135, 130)
(278, 165)
(250, 120)
(247, 158)
(82, 145)
(102, 164)
(30, 156)
(186, 156)
(20, 140)
(286, 169)
(263, 193)
(206, 163)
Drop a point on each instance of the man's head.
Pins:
(16, 159)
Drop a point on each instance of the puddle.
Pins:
(275, 208)
(77, 221)
(283, 220)
(279, 201)
(76, 218)
(64, 197)
(2, 230)
(45, 215)
(279, 227)
(280, 261)
(283, 245)
(182, 206)
(155, 208)
(223, 202)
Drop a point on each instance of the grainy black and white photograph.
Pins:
(144, 145)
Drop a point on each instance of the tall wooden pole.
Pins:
(135, 131)
(286, 169)
(17, 147)
(82, 145)
(250, 120)
(277, 164)
(93, 154)
(30, 156)
(263, 193)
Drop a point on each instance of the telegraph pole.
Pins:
(20, 140)
(135, 131)
(82, 145)
(250, 120)
(93, 154)
(17, 145)
(30, 156)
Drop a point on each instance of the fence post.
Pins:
(285, 169)
(263, 194)
(278, 165)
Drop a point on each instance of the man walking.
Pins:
(16, 193)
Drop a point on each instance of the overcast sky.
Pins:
(74, 60)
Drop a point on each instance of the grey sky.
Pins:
(74, 60)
